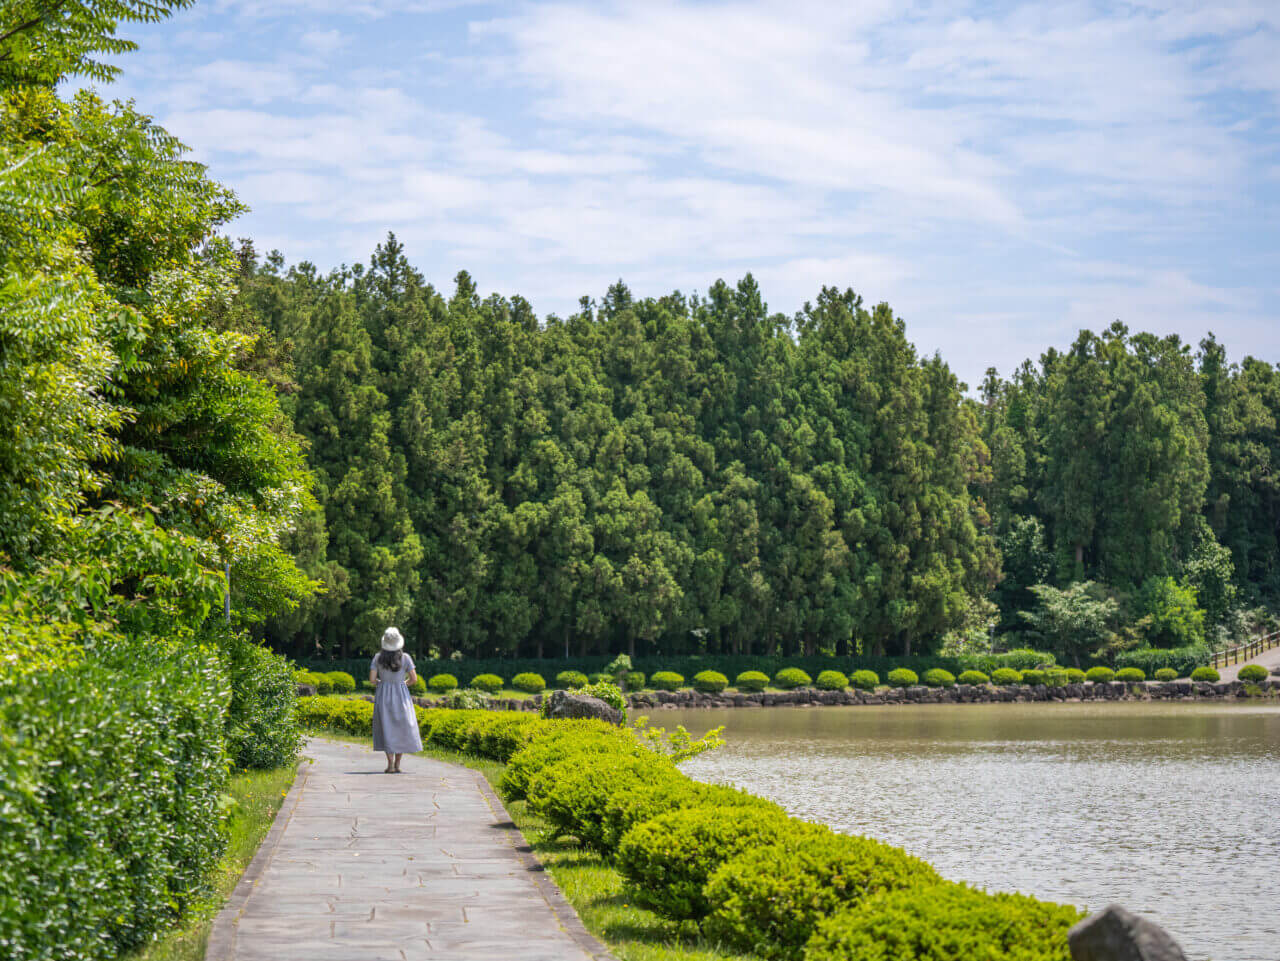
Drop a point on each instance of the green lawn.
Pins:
(592, 886)
(258, 795)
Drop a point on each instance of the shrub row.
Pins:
(756, 879)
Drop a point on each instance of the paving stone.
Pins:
(421, 865)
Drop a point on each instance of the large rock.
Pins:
(1119, 935)
(565, 705)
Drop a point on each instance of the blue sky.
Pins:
(1003, 174)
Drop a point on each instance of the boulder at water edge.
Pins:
(565, 705)
(1119, 935)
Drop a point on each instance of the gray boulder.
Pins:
(565, 705)
(306, 690)
(1119, 935)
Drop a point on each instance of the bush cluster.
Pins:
(489, 683)
(340, 682)
(1100, 675)
(1206, 674)
(751, 682)
(789, 678)
(634, 680)
(1131, 675)
(1075, 675)
(973, 677)
(865, 680)
(710, 682)
(903, 677)
(1252, 673)
(262, 724)
(442, 683)
(937, 677)
(666, 681)
(529, 683)
(831, 681)
(1166, 674)
(757, 880)
(1005, 676)
(571, 680)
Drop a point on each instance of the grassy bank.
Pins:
(590, 883)
(257, 796)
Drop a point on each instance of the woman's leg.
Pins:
(398, 757)
(389, 769)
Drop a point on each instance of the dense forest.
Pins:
(689, 474)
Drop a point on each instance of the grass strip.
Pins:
(258, 796)
(590, 883)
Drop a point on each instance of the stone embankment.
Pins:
(960, 694)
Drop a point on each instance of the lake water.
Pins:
(1172, 810)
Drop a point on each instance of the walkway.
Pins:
(1267, 659)
(363, 866)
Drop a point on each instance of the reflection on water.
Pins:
(1172, 810)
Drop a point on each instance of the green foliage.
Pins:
(608, 692)
(1252, 673)
(440, 683)
(261, 723)
(667, 860)
(466, 699)
(831, 681)
(710, 682)
(945, 922)
(1100, 674)
(666, 681)
(555, 743)
(1166, 674)
(1176, 619)
(1206, 673)
(1055, 677)
(1182, 659)
(599, 677)
(340, 682)
(1034, 678)
(418, 688)
(1077, 676)
(865, 680)
(1130, 675)
(678, 745)
(113, 765)
(619, 666)
(751, 681)
(342, 714)
(573, 795)
(529, 683)
(768, 900)
(670, 792)
(903, 677)
(973, 677)
(1004, 676)
(489, 683)
(790, 678)
(634, 680)
(1074, 622)
(939, 678)
(571, 680)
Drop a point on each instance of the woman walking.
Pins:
(395, 727)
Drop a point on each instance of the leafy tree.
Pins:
(1075, 621)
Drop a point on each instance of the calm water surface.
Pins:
(1172, 810)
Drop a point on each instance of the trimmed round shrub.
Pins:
(1166, 674)
(572, 795)
(1075, 675)
(902, 677)
(489, 683)
(710, 682)
(831, 681)
(626, 809)
(973, 677)
(322, 682)
(1252, 673)
(1005, 676)
(1206, 674)
(1131, 675)
(666, 681)
(442, 683)
(865, 680)
(789, 678)
(1034, 677)
(600, 677)
(634, 680)
(767, 901)
(751, 681)
(529, 683)
(1100, 675)
(571, 680)
(667, 860)
(942, 923)
(340, 682)
(1055, 677)
(418, 688)
(937, 677)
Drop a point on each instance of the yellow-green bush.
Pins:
(831, 681)
(573, 795)
(789, 678)
(1005, 676)
(1100, 674)
(489, 683)
(442, 683)
(938, 677)
(561, 739)
(669, 792)
(529, 683)
(751, 681)
(768, 900)
(865, 680)
(710, 682)
(340, 682)
(973, 677)
(945, 922)
(1250, 673)
(667, 860)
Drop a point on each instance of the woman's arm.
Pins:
(373, 676)
(413, 676)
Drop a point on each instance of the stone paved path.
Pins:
(363, 866)
(1267, 659)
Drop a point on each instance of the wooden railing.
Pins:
(1244, 652)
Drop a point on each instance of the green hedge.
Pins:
(262, 724)
(1184, 660)
(111, 771)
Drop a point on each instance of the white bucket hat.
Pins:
(391, 640)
